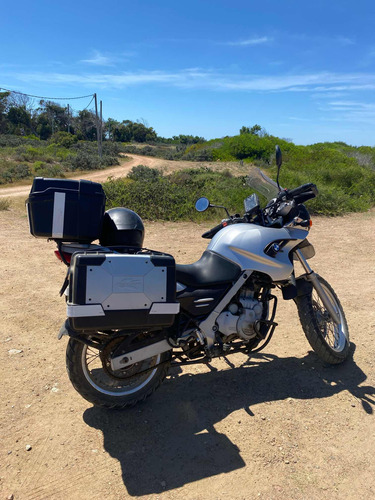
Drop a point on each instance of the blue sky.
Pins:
(302, 70)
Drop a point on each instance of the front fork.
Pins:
(313, 278)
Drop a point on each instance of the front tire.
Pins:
(89, 373)
(329, 340)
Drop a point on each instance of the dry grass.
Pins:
(4, 204)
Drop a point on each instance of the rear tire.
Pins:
(89, 373)
(329, 340)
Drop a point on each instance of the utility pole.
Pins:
(68, 120)
(97, 125)
(101, 129)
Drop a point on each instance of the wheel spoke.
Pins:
(332, 333)
(93, 358)
(98, 372)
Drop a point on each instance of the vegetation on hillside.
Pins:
(49, 140)
(25, 157)
(172, 197)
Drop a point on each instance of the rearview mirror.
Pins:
(202, 204)
(279, 157)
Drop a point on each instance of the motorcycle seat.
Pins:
(211, 269)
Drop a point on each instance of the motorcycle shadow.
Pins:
(170, 440)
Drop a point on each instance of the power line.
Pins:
(93, 97)
(43, 97)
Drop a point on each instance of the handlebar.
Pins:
(211, 232)
(299, 194)
(308, 195)
(309, 189)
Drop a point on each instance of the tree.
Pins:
(110, 127)
(254, 130)
(17, 100)
(3, 111)
(244, 130)
(85, 125)
(19, 121)
(188, 139)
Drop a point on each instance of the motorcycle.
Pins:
(226, 301)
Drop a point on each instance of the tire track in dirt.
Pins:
(37, 485)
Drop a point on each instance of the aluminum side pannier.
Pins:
(121, 291)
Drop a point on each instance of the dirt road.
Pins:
(124, 168)
(98, 176)
(278, 426)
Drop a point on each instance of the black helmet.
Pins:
(122, 226)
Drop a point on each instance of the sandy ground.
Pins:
(278, 426)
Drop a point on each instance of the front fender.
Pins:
(304, 287)
(296, 288)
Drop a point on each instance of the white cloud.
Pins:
(98, 59)
(197, 78)
(249, 41)
(329, 95)
(345, 41)
(299, 119)
(349, 111)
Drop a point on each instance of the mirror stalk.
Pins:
(279, 161)
(220, 206)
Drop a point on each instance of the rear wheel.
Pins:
(329, 340)
(90, 372)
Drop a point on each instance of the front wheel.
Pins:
(329, 340)
(90, 372)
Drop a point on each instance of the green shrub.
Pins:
(144, 173)
(16, 140)
(14, 173)
(32, 137)
(108, 161)
(172, 197)
(343, 187)
(84, 161)
(64, 139)
(198, 153)
(45, 170)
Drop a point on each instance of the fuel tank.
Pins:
(258, 248)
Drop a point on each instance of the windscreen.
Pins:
(262, 184)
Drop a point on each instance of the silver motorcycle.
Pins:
(226, 302)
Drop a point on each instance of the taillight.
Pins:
(67, 256)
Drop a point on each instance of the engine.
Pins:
(240, 317)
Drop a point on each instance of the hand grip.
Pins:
(305, 188)
(211, 232)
